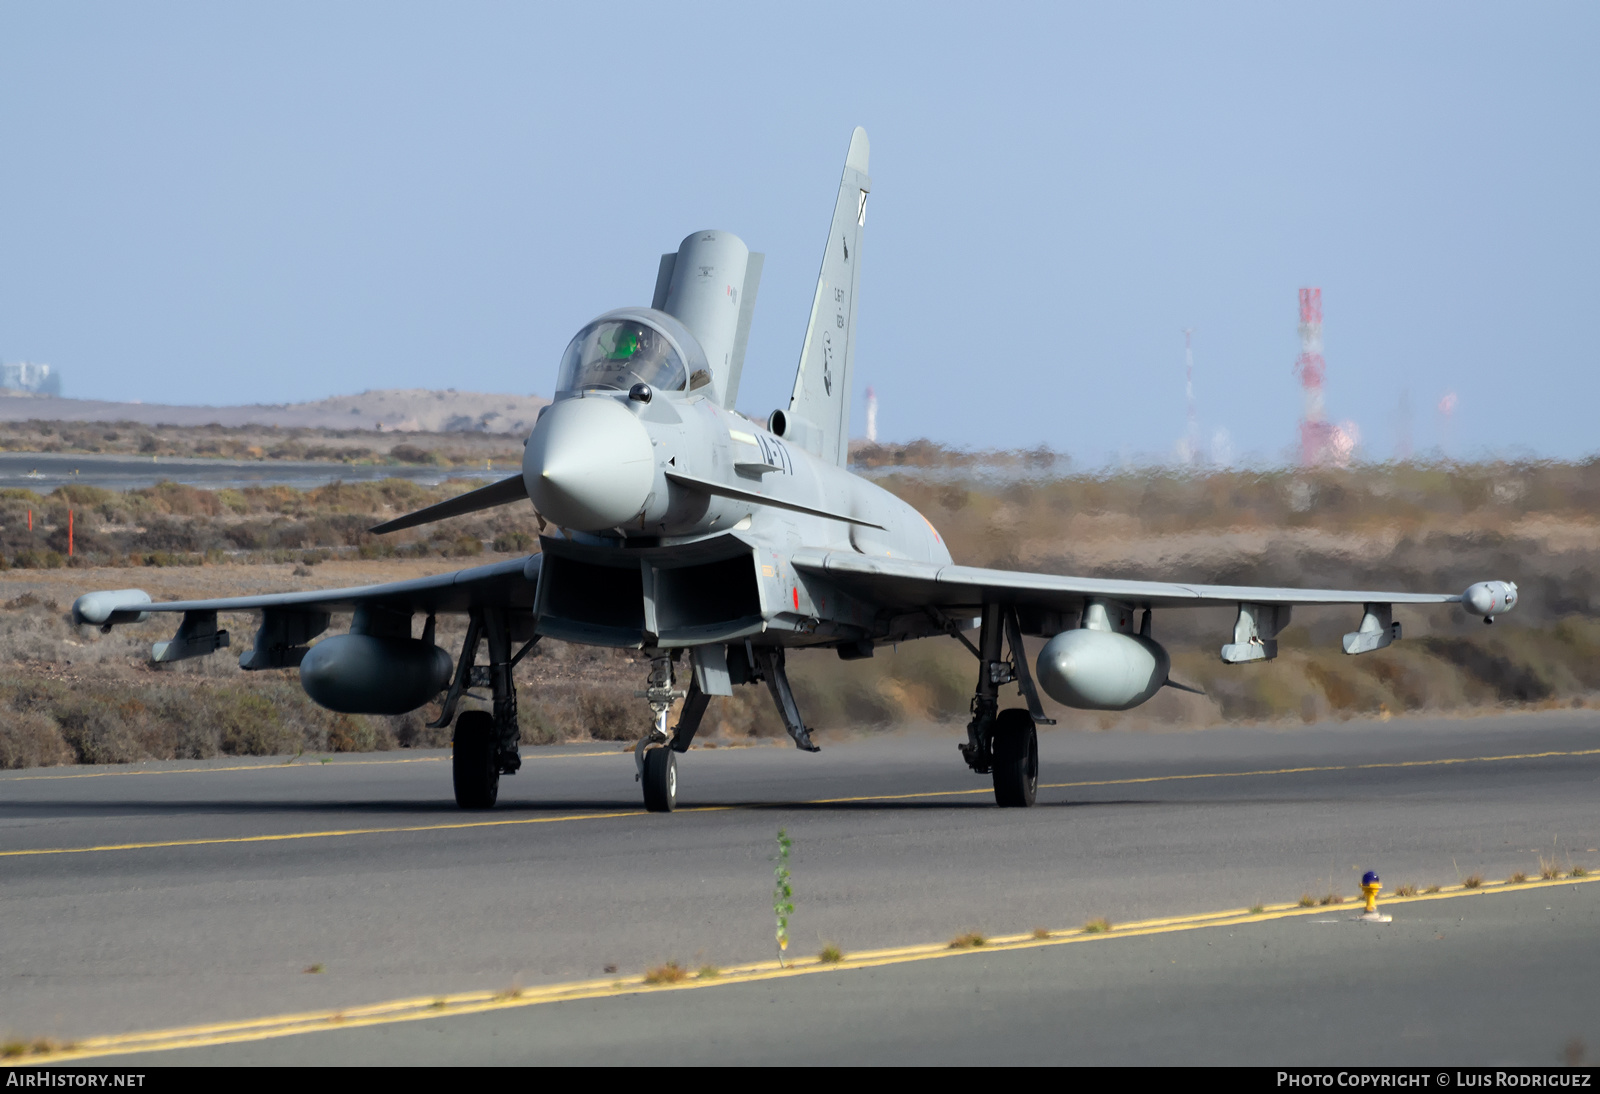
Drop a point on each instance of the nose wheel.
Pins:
(660, 779)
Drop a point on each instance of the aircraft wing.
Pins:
(902, 583)
(289, 620)
(503, 583)
(1052, 600)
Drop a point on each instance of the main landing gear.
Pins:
(1004, 743)
(1015, 763)
(485, 742)
(656, 755)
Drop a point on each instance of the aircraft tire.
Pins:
(473, 763)
(1016, 759)
(660, 780)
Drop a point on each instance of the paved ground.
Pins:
(891, 847)
(1497, 980)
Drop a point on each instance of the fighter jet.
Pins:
(716, 544)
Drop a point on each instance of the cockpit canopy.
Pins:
(630, 346)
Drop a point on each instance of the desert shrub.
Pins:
(180, 500)
(32, 739)
(82, 495)
(748, 712)
(410, 453)
(101, 729)
(33, 559)
(259, 721)
(609, 711)
(347, 733)
(513, 542)
(412, 731)
(1510, 680)
(193, 734)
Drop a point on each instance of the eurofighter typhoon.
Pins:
(676, 526)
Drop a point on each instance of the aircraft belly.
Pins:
(710, 590)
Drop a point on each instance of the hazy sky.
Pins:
(220, 203)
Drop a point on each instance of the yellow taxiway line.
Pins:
(1225, 775)
(477, 1002)
(610, 815)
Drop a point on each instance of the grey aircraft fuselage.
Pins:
(670, 525)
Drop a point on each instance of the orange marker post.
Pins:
(69, 533)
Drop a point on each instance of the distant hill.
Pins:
(396, 409)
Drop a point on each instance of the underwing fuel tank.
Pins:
(1102, 670)
(363, 674)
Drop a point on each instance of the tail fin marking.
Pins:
(819, 409)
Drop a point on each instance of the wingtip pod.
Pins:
(1490, 598)
(856, 158)
(102, 609)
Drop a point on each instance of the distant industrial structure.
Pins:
(1447, 414)
(33, 378)
(1321, 442)
(872, 416)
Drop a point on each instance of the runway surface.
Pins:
(216, 885)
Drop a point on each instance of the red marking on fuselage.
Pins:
(797, 598)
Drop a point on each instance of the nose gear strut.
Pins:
(660, 693)
(656, 754)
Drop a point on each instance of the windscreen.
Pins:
(618, 353)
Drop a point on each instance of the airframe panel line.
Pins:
(478, 1002)
(776, 805)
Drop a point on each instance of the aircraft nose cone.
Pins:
(589, 464)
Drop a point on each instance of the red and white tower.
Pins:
(1315, 430)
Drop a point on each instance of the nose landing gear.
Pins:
(657, 753)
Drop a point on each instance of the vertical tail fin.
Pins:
(818, 418)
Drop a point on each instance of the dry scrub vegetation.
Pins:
(71, 697)
(353, 446)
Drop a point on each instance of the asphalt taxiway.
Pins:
(180, 896)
